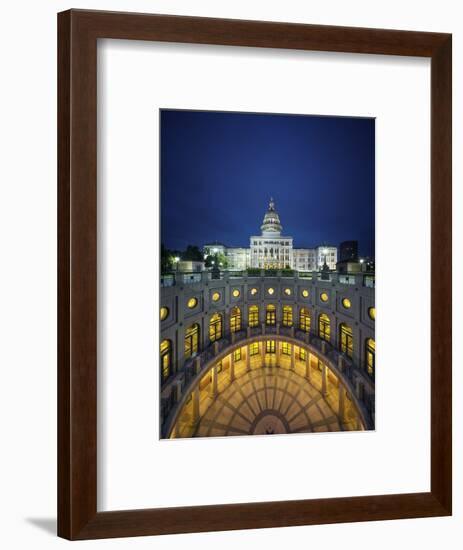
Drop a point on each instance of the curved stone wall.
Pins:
(344, 299)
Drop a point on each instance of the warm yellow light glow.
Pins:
(216, 296)
(304, 319)
(346, 339)
(285, 348)
(324, 327)
(372, 313)
(253, 291)
(270, 346)
(164, 312)
(288, 291)
(253, 316)
(192, 302)
(305, 293)
(235, 319)
(166, 359)
(287, 316)
(270, 291)
(191, 340)
(270, 315)
(324, 297)
(236, 293)
(370, 349)
(254, 348)
(215, 327)
(346, 303)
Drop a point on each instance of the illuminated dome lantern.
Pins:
(271, 226)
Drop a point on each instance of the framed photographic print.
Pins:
(243, 338)
(267, 337)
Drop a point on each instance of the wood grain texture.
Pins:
(78, 32)
(441, 274)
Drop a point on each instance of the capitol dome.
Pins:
(271, 226)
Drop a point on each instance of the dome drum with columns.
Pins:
(271, 226)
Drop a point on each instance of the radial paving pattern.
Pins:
(268, 400)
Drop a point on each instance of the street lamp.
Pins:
(325, 252)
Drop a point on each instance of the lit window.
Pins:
(346, 303)
(164, 313)
(372, 313)
(270, 316)
(305, 293)
(191, 341)
(370, 348)
(324, 297)
(236, 293)
(253, 291)
(192, 302)
(253, 316)
(270, 346)
(235, 319)
(324, 327)
(166, 359)
(270, 291)
(302, 354)
(288, 291)
(254, 348)
(287, 316)
(215, 327)
(215, 296)
(285, 348)
(237, 354)
(346, 342)
(304, 319)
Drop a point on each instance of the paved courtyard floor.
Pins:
(268, 400)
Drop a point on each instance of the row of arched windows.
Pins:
(192, 334)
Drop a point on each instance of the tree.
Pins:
(217, 260)
(166, 264)
(168, 259)
(192, 253)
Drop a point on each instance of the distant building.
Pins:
(238, 258)
(272, 250)
(348, 251)
(326, 254)
(347, 266)
(214, 248)
(305, 259)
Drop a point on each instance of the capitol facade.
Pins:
(272, 250)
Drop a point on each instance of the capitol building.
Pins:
(272, 250)
(260, 349)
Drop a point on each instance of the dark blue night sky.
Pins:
(219, 170)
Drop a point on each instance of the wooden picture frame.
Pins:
(78, 32)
